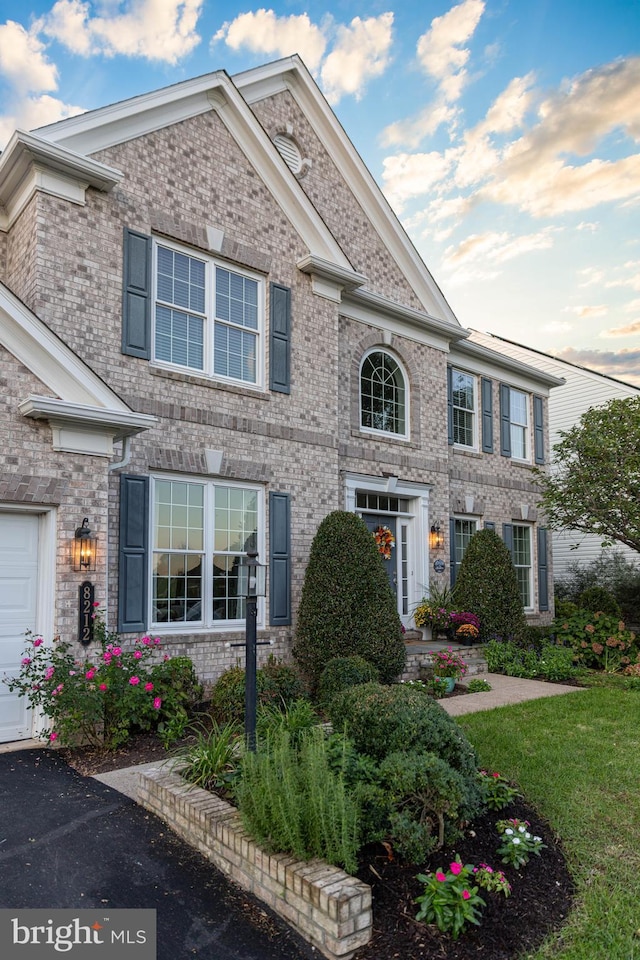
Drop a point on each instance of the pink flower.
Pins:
(156, 640)
(157, 703)
(49, 672)
(455, 868)
(440, 876)
(465, 894)
(148, 687)
(106, 657)
(72, 673)
(102, 686)
(117, 651)
(26, 661)
(134, 681)
(145, 641)
(37, 642)
(53, 736)
(137, 654)
(166, 657)
(96, 603)
(60, 688)
(90, 674)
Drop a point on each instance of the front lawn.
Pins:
(577, 760)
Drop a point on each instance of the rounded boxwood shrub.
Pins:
(380, 720)
(343, 672)
(599, 599)
(277, 684)
(487, 585)
(347, 606)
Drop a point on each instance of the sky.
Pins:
(505, 134)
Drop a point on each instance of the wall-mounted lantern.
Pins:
(84, 548)
(436, 537)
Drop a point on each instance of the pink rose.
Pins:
(156, 640)
(37, 642)
(117, 651)
(148, 687)
(137, 654)
(134, 681)
(53, 736)
(49, 672)
(157, 703)
(90, 674)
(26, 661)
(102, 686)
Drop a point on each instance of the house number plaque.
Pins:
(86, 611)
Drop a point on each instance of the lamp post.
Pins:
(252, 578)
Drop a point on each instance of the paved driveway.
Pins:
(72, 842)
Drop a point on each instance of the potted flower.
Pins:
(448, 666)
(435, 612)
(466, 627)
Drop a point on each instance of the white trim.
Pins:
(78, 428)
(473, 447)
(372, 431)
(419, 550)
(491, 363)
(532, 558)
(379, 311)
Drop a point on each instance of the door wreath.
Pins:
(385, 541)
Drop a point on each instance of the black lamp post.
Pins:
(252, 577)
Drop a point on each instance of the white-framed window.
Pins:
(199, 531)
(464, 394)
(521, 556)
(463, 530)
(207, 316)
(383, 394)
(519, 424)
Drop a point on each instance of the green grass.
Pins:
(577, 760)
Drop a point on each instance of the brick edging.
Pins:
(325, 905)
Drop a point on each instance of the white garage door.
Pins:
(18, 605)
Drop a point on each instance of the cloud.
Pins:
(623, 364)
(632, 329)
(441, 52)
(497, 248)
(412, 174)
(23, 60)
(557, 326)
(32, 112)
(412, 131)
(263, 31)
(629, 276)
(162, 30)
(361, 51)
(588, 312)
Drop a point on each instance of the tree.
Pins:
(347, 606)
(594, 486)
(487, 585)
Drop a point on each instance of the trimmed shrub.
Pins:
(598, 598)
(343, 672)
(277, 684)
(487, 586)
(380, 720)
(347, 605)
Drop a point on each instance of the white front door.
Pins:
(18, 613)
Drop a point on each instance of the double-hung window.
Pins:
(207, 317)
(519, 424)
(464, 404)
(521, 555)
(463, 530)
(200, 532)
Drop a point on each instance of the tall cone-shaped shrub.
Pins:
(487, 586)
(347, 606)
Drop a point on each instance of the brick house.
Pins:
(214, 331)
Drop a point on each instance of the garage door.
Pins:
(18, 603)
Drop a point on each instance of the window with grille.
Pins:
(383, 395)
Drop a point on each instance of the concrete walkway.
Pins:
(504, 691)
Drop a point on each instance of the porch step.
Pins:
(419, 657)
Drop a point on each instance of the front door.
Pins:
(18, 606)
(386, 528)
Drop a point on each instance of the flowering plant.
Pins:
(459, 618)
(496, 790)
(450, 899)
(492, 880)
(385, 541)
(101, 699)
(467, 631)
(599, 640)
(446, 663)
(517, 843)
(428, 614)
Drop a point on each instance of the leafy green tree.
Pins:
(595, 483)
(487, 585)
(347, 606)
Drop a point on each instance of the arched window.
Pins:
(383, 394)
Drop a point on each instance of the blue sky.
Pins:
(505, 133)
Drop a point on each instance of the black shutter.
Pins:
(543, 570)
(136, 295)
(487, 415)
(452, 552)
(132, 577)
(507, 536)
(505, 420)
(538, 429)
(280, 354)
(449, 406)
(279, 559)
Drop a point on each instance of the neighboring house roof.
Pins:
(86, 415)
